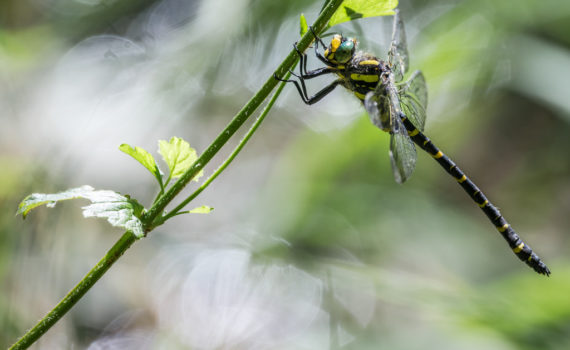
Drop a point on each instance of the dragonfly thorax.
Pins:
(362, 74)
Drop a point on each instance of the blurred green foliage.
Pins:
(497, 73)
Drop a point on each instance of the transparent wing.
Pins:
(378, 108)
(413, 99)
(402, 152)
(384, 110)
(398, 54)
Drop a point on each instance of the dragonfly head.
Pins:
(340, 50)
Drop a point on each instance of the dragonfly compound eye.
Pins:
(340, 49)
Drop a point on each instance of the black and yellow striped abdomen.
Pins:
(521, 249)
(389, 98)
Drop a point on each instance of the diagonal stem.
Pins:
(232, 156)
(157, 209)
(77, 292)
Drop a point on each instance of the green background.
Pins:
(309, 225)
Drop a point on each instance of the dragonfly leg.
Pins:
(313, 73)
(317, 39)
(322, 93)
(302, 89)
(317, 53)
(302, 60)
(318, 72)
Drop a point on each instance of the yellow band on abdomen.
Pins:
(503, 228)
(518, 248)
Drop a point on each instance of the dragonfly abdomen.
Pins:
(388, 99)
(522, 250)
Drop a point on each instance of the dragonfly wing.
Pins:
(402, 152)
(398, 54)
(413, 99)
(378, 109)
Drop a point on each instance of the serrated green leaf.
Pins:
(354, 9)
(178, 155)
(304, 27)
(143, 157)
(119, 210)
(204, 209)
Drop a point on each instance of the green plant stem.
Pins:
(232, 156)
(77, 292)
(238, 120)
(157, 209)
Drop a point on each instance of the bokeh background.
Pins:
(312, 245)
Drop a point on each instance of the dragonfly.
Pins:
(397, 106)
